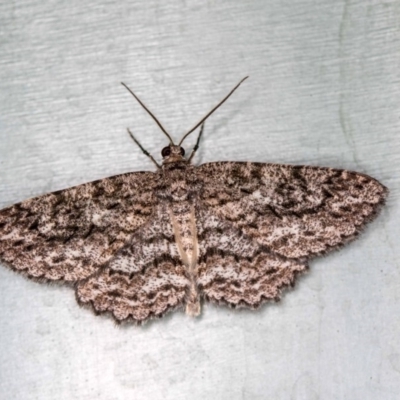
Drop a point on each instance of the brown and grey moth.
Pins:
(140, 244)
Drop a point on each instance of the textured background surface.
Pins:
(324, 90)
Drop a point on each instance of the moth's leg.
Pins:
(145, 152)
(196, 146)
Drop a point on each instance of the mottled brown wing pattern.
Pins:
(262, 222)
(67, 235)
(295, 211)
(145, 279)
(141, 244)
(233, 268)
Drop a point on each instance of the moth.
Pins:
(140, 244)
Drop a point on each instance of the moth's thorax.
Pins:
(178, 182)
(176, 165)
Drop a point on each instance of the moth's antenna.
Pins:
(217, 106)
(149, 112)
(143, 149)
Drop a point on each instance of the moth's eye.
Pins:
(182, 151)
(166, 151)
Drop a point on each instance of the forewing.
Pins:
(67, 235)
(294, 211)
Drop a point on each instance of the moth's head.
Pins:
(173, 153)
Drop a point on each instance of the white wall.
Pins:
(324, 89)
